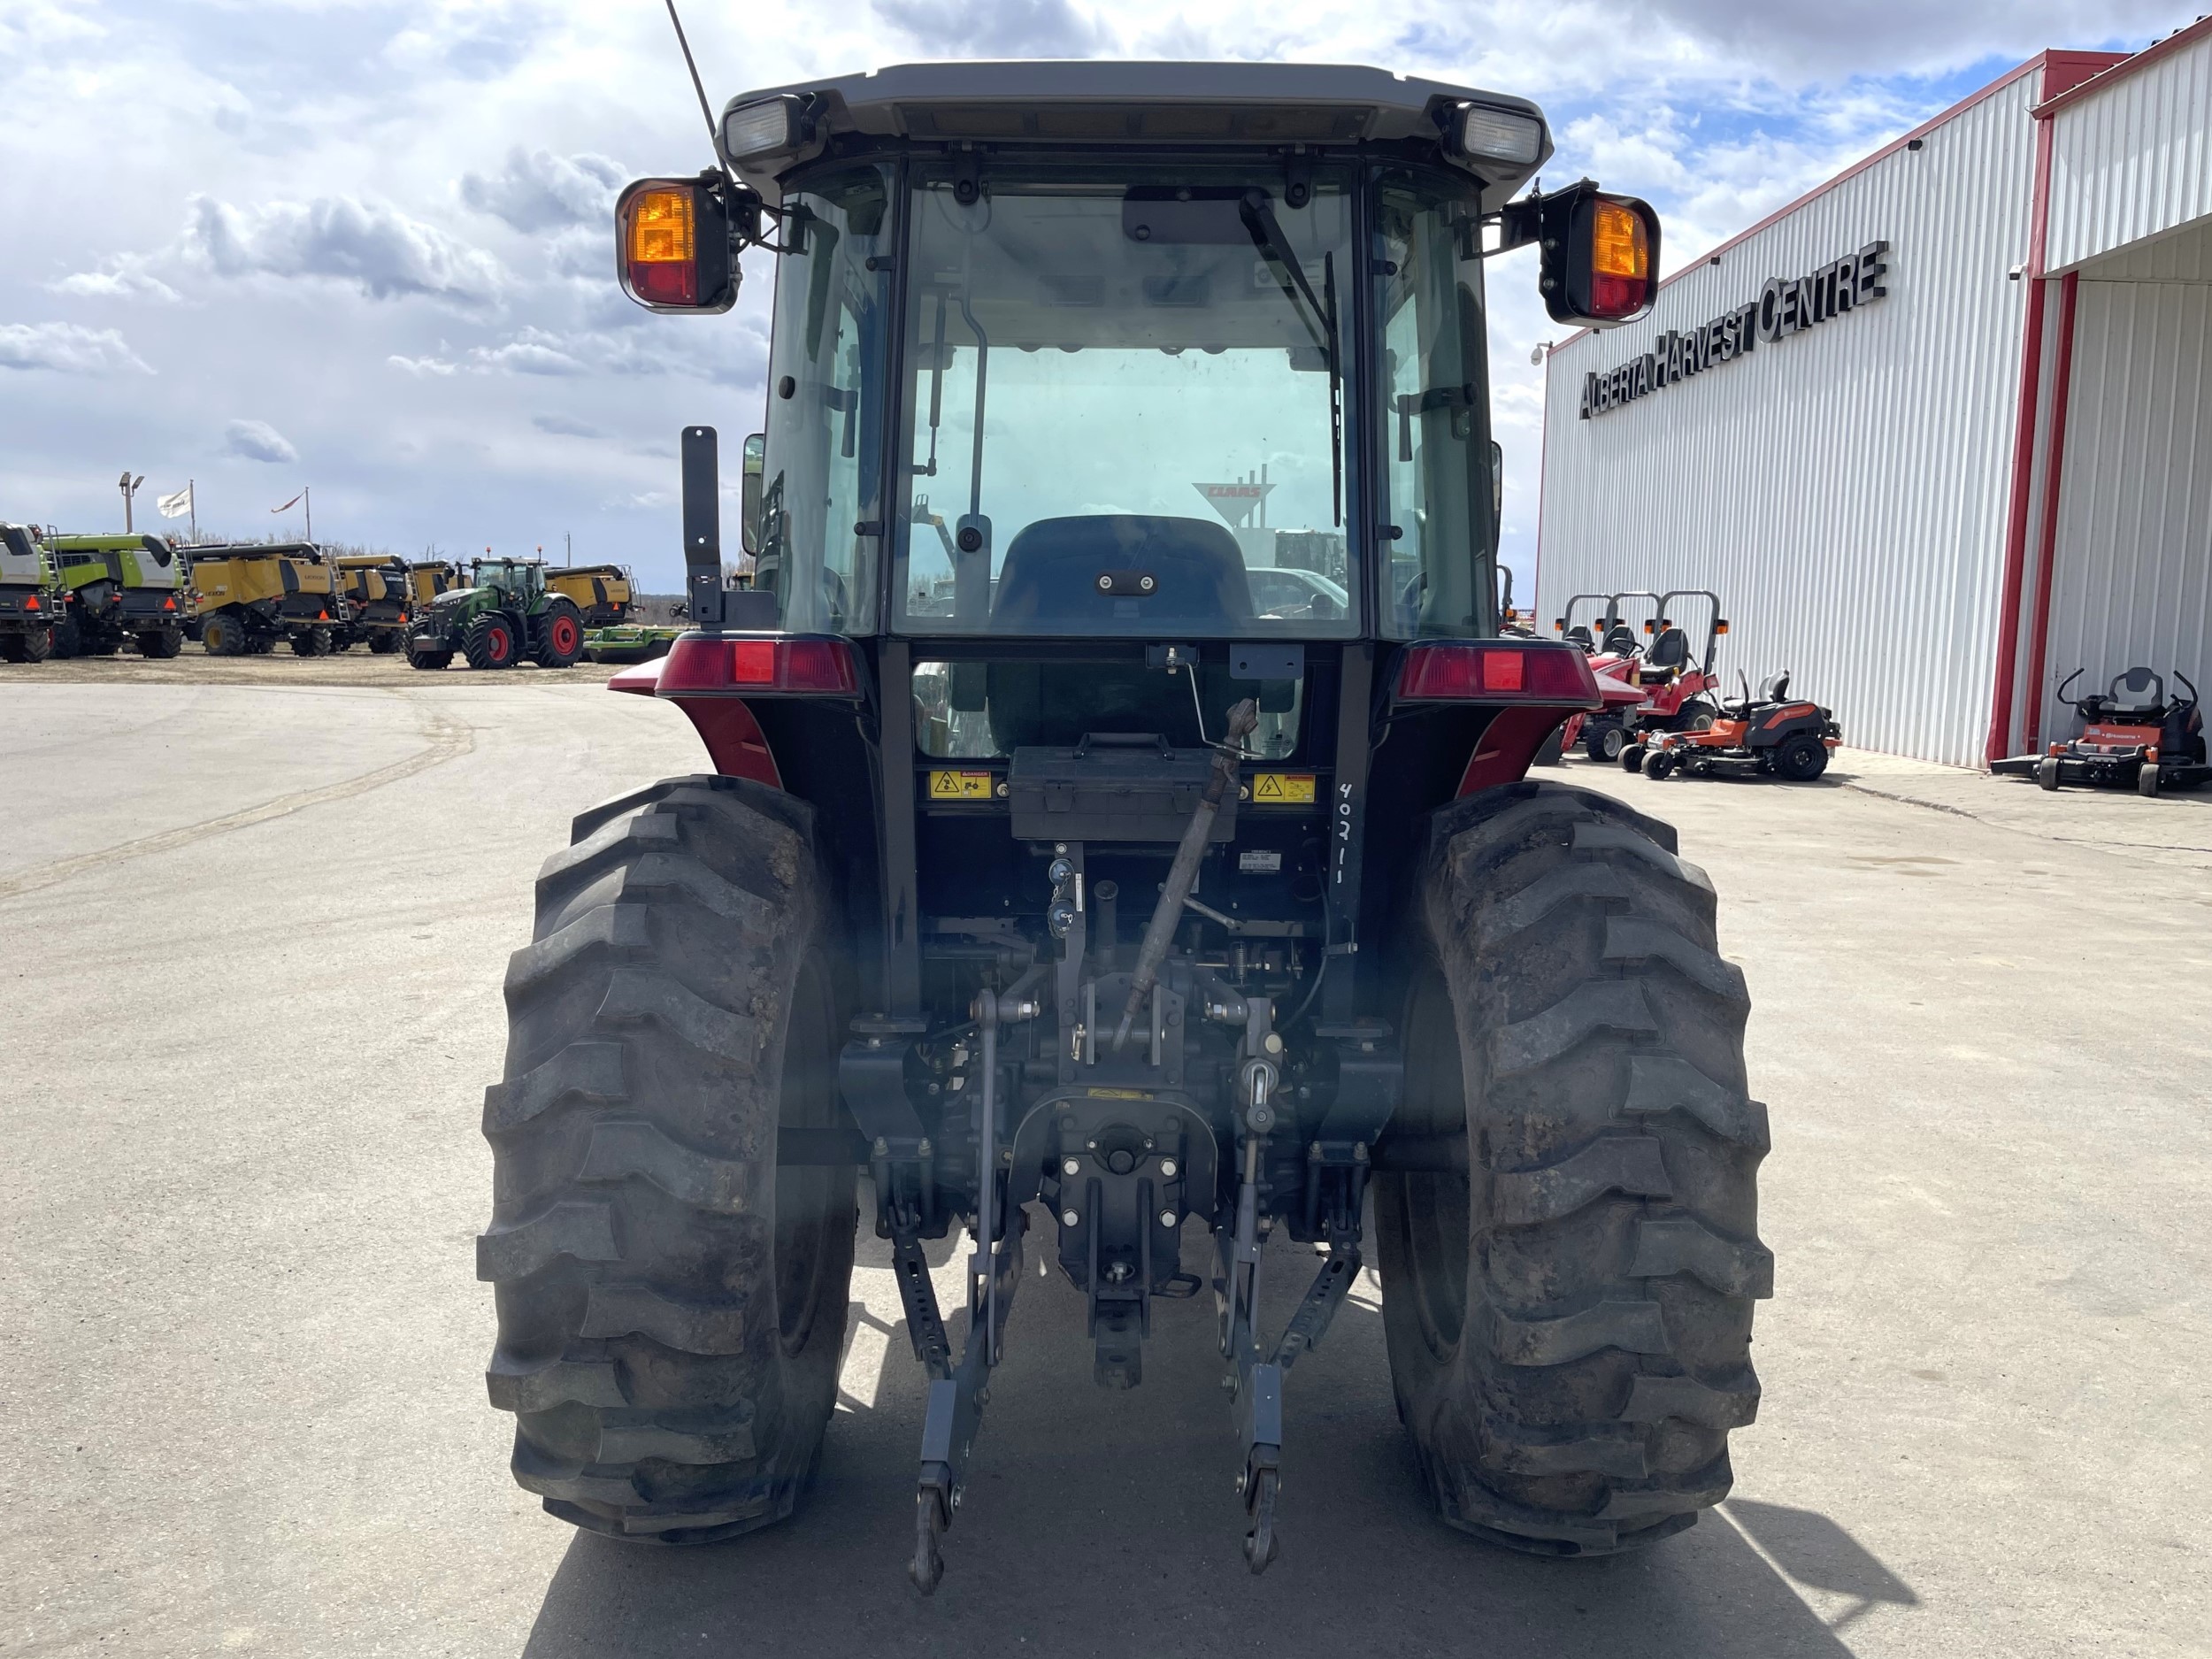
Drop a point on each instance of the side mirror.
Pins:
(1600, 253)
(749, 492)
(674, 245)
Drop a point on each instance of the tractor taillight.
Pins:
(711, 664)
(662, 240)
(1537, 672)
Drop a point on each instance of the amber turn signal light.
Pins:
(662, 244)
(672, 246)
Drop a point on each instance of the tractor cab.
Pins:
(522, 579)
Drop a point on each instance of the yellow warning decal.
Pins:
(1282, 789)
(960, 786)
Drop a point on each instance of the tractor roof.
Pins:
(1090, 103)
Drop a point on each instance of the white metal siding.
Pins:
(1844, 489)
(2132, 574)
(2134, 160)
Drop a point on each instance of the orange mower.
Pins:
(2132, 732)
(1770, 735)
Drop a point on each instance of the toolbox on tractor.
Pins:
(2132, 732)
(1079, 897)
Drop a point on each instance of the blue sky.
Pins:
(365, 247)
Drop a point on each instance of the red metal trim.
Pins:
(725, 725)
(2119, 68)
(1508, 746)
(733, 737)
(1997, 745)
(2053, 470)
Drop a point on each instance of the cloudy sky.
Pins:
(365, 247)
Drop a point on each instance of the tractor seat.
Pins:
(1580, 636)
(1054, 566)
(1773, 689)
(1666, 658)
(1620, 639)
(2138, 692)
(1052, 577)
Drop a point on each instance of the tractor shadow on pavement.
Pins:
(1107, 1523)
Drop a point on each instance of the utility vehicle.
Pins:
(2132, 733)
(1044, 879)
(505, 613)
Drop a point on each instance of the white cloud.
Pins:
(258, 440)
(422, 365)
(67, 349)
(122, 280)
(540, 191)
(371, 246)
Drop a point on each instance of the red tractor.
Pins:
(1672, 687)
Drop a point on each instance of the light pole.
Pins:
(129, 487)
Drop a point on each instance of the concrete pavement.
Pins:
(250, 945)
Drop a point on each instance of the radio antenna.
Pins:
(697, 86)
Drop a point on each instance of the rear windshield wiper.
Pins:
(1266, 232)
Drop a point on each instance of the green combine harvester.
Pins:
(118, 590)
(30, 596)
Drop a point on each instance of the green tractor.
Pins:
(120, 589)
(505, 613)
(30, 596)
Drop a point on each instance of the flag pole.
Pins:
(308, 496)
(192, 499)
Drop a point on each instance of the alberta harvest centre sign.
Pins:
(1787, 306)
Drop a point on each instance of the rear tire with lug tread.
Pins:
(672, 1304)
(1570, 1325)
(223, 635)
(490, 641)
(161, 643)
(560, 635)
(1800, 758)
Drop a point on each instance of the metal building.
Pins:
(1937, 432)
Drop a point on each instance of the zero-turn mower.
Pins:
(1770, 735)
(2132, 733)
(1674, 682)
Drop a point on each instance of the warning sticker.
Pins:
(1283, 788)
(965, 785)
